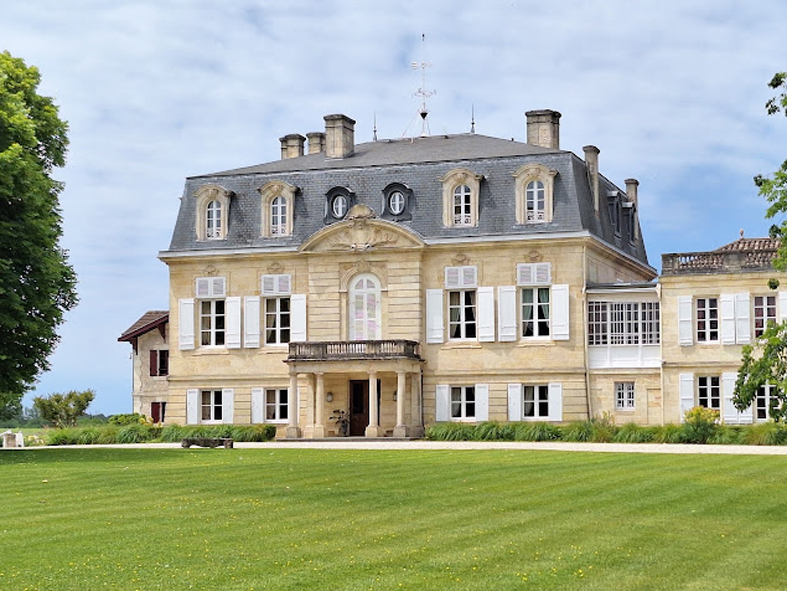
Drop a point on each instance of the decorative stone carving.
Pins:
(361, 236)
(209, 271)
(460, 260)
(534, 256)
(275, 268)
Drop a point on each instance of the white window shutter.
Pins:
(514, 402)
(227, 405)
(257, 405)
(525, 274)
(560, 306)
(285, 284)
(435, 328)
(298, 318)
(453, 277)
(469, 276)
(686, 381)
(232, 338)
(486, 314)
(218, 287)
(742, 319)
(555, 397)
(442, 403)
(481, 402)
(727, 303)
(192, 407)
(506, 313)
(186, 324)
(268, 285)
(543, 273)
(782, 306)
(202, 287)
(746, 416)
(730, 414)
(251, 322)
(685, 330)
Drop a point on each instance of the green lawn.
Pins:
(419, 520)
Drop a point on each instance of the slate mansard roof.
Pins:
(418, 163)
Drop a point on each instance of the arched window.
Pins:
(535, 185)
(213, 221)
(463, 206)
(365, 324)
(279, 216)
(536, 202)
(461, 189)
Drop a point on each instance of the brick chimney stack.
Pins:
(339, 136)
(543, 128)
(591, 161)
(292, 145)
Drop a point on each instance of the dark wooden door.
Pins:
(359, 407)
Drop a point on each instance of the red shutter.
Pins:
(154, 363)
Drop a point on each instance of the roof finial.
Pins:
(472, 118)
(422, 92)
(741, 233)
(374, 134)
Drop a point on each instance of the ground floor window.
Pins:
(276, 404)
(211, 405)
(766, 396)
(535, 401)
(624, 395)
(709, 392)
(157, 411)
(463, 402)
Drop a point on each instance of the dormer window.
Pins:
(615, 211)
(396, 202)
(461, 189)
(339, 206)
(397, 199)
(339, 201)
(213, 202)
(534, 194)
(278, 203)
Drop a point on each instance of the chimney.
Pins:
(591, 161)
(292, 145)
(631, 193)
(316, 142)
(543, 128)
(339, 136)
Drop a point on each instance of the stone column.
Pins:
(416, 406)
(319, 407)
(293, 432)
(401, 430)
(373, 430)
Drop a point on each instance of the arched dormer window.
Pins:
(397, 198)
(278, 204)
(461, 189)
(534, 192)
(339, 201)
(213, 204)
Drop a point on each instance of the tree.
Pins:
(11, 411)
(37, 285)
(761, 364)
(63, 410)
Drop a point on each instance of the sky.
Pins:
(672, 93)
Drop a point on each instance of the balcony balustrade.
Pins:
(351, 350)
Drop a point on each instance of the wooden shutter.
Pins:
(186, 324)
(192, 407)
(435, 329)
(486, 314)
(506, 313)
(729, 414)
(251, 322)
(227, 405)
(202, 287)
(727, 303)
(515, 402)
(481, 402)
(469, 276)
(534, 273)
(686, 381)
(560, 306)
(453, 277)
(555, 397)
(153, 363)
(211, 287)
(257, 405)
(233, 332)
(685, 330)
(276, 285)
(442, 403)
(742, 319)
(298, 318)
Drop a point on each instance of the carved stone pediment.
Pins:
(361, 232)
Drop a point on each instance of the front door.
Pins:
(359, 406)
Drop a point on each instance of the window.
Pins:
(598, 323)
(276, 405)
(278, 200)
(764, 312)
(212, 323)
(365, 308)
(279, 217)
(624, 395)
(157, 411)
(623, 323)
(214, 221)
(277, 320)
(534, 190)
(339, 201)
(159, 363)
(766, 401)
(535, 312)
(535, 402)
(709, 392)
(213, 202)
(396, 202)
(707, 320)
(462, 314)
(339, 206)
(463, 402)
(211, 405)
(461, 189)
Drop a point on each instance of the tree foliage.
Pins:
(37, 285)
(63, 410)
(763, 363)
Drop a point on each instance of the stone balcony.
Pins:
(716, 262)
(354, 350)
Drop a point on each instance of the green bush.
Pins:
(172, 433)
(137, 433)
(700, 424)
(88, 435)
(108, 435)
(633, 433)
(526, 431)
(493, 431)
(728, 435)
(449, 432)
(668, 434)
(67, 436)
(765, 434)
(132, 418)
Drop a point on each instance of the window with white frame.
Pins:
(534, 281)
(213, 221)
(623, 323)
(461, 189)
(709, 392)
(279, 216)
(463, 402)
(213, 203)
(365, 316)
(212, 323)
(764, 312)
(766, 400)
(277, 198)
(276, 404)
(535, 201)
(707, 317)
(396, 202)
(534, 189)
(535, 401)
(211, 405)
(624, 395)
(276, 291)
(461, 283)
(463, 206)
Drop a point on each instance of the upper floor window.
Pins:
(707, 315)
(278, 204)
(211, 292)
(276, 291)
(461, 189)
(397, 199)
(534, 193)
(159, 362)
(213, 203)
(623, 323)
(461, 283)
(365, 306)
(339, 201)
(396, 202)
(764, 312)
(534, 280)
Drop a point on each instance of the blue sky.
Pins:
(156, 90)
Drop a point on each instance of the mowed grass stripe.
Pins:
(309, 519)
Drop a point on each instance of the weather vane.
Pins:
(422, 93)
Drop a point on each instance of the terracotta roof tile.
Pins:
(146, 323)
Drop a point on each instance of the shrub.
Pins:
(633, 433)
(449, 432)
(131, 418)
(728, 435)
(700, 424)
(67, 436)
(134, 433)
(538, 431)
(172, 433)
(87, 435)
(668, 434)
(493, 431)
(577, 431)
(108, 435)
(765, 434)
